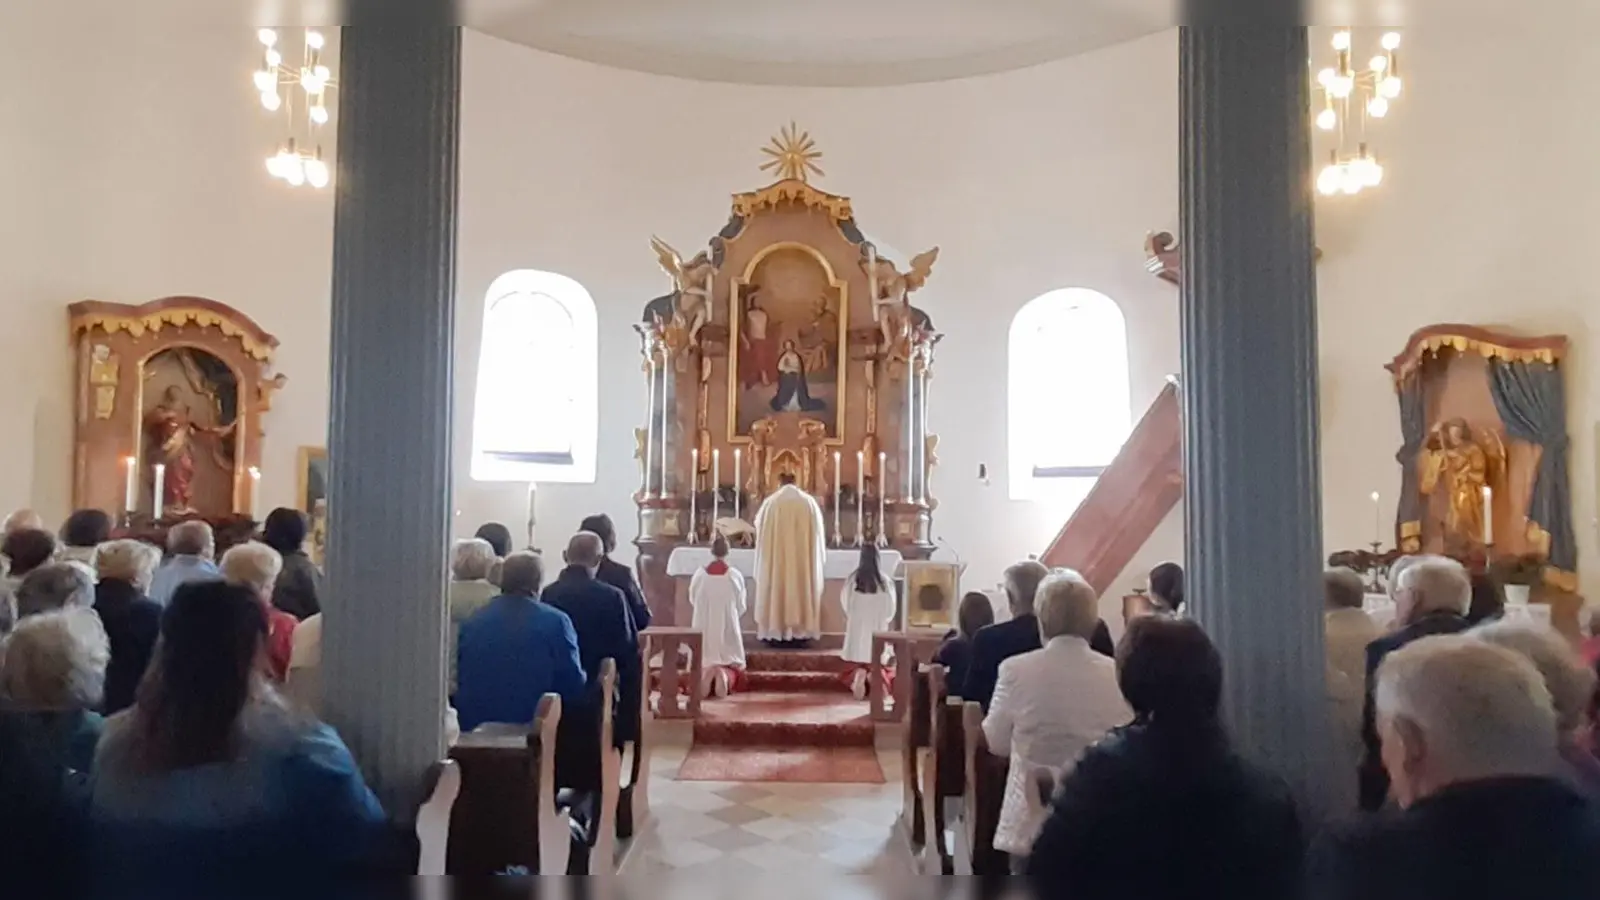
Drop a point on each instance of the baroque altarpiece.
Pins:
(788, 348)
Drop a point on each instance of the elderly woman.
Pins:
(54, 668)
(469, 590)
(1174, 765)
(257, 566)
(54, 586)
(131, 618)
(26, 550)
(1571, 685)
(298, 590)
(212, 777)
(1051, 704)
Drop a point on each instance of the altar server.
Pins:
(790, 555)
(869, 605)
(717, 595)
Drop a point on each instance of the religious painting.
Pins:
(189, 414)
(311, 492)
(931, 589)
(788, 324)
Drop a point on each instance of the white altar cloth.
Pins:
(684, 561)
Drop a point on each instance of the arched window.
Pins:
(538, 397)
(1067, 393)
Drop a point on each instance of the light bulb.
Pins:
(1341, 40)
(310, 81)
(274, 58)
(1379, 64)
(1341, 86)
(267, 36)
(278, 164)
(1349, 181)
(319, 115)
(294, 171)
(1378, 107)
(1390, 87)
(1328, 180)
(316, 173)
(322, 73)
(1325, 77)
(264, 81)
(271, 100)
(1327, 120)
(1391, 41)
(1372, 173)
(314, 40)
(272, 165)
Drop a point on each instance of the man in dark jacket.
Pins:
(1469, 739)
(599, 615)
(616, 574)
(1431, 596)
(994, 644)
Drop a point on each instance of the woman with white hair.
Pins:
(132, 620)
(1571, 685)
(470, 563)
(257, 566)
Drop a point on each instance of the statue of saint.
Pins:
(172, 430)
(1460, 466)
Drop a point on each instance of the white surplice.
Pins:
(791, 553)
(864, 614)
(718, 602)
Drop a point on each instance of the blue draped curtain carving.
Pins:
(1532, 400)
(1413, 429)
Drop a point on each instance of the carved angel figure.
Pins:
(891, 307)
(692, 299)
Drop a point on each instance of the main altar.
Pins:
(787, 347)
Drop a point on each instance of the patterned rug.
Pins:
(810, 765)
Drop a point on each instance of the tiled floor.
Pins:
(732, 832)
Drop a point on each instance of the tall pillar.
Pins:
(394, 251)
(1252, 493)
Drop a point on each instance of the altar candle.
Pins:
(738, 453)
(716, 485)
(533, 515)
(161, 486)
(255, 493)
(694, 492)
(1488, 516)
(883, 459)
(1377, 520)
(838, 479)
(130, 494)
(861, 493)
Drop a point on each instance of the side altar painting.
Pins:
(787, 348)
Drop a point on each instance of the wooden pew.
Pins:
(944, 771)
(913, 750)
(913, 647)
(982, 795)
(505, 816)
(633, 809)
(588, 773)
(667, 641)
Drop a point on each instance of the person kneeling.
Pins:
(717, 595)
(869, 606)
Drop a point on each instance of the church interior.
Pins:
(927, 265)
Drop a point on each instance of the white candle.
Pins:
(716, 485)
(838, 479)
(130, 494)
(161, 486)
(861, 493)
(1488, 516)
(694, 492)
(1377, 520)
(649, 428)
(533, 515)
(255, 493)
(883, 534)
(738, 454)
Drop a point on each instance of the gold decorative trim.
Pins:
(1432, 344)
(177, 317)
(1561, 579)
(791, 190)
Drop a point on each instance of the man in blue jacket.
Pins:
(515, 650)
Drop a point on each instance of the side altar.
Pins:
(788, 347)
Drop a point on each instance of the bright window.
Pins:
(536, 415)
(1067, 393)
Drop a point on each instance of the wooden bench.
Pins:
(633, 807)
(505, 818)
(913, 750)
(944, 771)
(982, 795)
(680, 692)
(588, 774)
(912, 648)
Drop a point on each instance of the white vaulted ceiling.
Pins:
(818, 42)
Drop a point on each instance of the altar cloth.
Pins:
(684, 561)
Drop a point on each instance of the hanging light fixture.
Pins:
(1347, 100)
(303, 93)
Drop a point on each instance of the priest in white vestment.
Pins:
(716, 593)
(791, 550)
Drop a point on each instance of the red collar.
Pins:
(717, 567)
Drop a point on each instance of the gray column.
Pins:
(394, 253)
(1252, 494)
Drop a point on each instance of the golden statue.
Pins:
(813, 436)
(1464, 468)
(891, 308)
(692, 299)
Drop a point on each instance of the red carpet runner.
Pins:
(796, 722)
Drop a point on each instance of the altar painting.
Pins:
(786, 331)
(189, 410)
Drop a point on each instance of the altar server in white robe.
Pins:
(717, 596)
(869, 605)
(791, 551)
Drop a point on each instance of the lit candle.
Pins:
(1377, 520)
(130, 494)
(838, 480)
(694, 492)
(738, 453)
(716, 485)
(255, 493)
(1488, 516)
(533, 515)
(861, 493)
(161, 487)
(883, 534)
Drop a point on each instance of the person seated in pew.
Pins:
(1174, 764)
(25, 550)
(20, 520)
(616, 574)
(1166, 588)
(1051, 704)
(869, 606)
(996, 643)
(515, 650)
(469, 591)
(717, 596)
(604, 627)
(82, 534)
(955, 653)
(257, 567)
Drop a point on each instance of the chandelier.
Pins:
(1350, 99)
(298, 159)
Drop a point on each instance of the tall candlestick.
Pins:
(838, 479)
(533, 514)
(255, 493)
(716, 486)
(1377, 521)
(130, 494)
(1488, 516)
(694, 493)
(883, 535)
(650, 428)
(738, 486)
(861, 493)
(161, 489)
